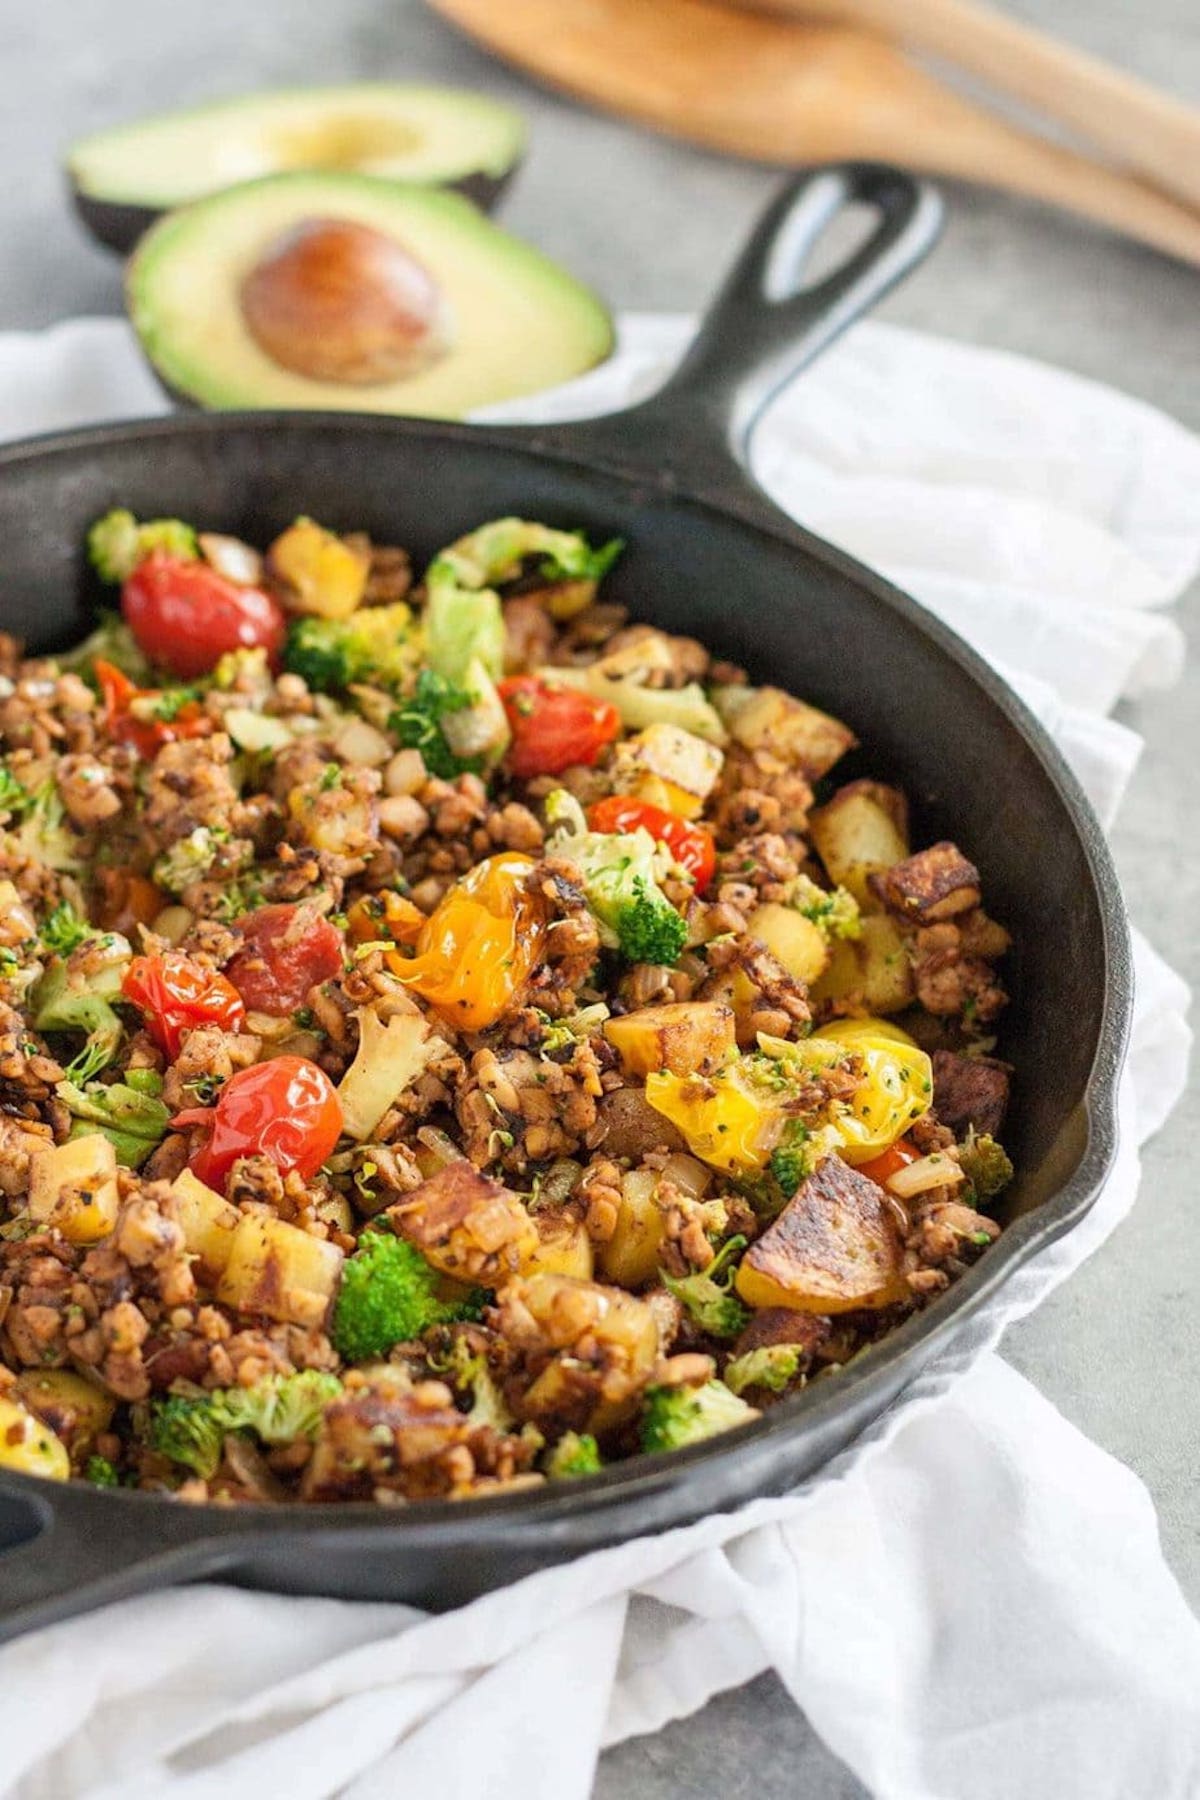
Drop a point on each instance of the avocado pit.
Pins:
(337, 301)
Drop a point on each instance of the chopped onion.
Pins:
(932, 1171)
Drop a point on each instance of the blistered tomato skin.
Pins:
(692, 846)
(480, 944)
(287, 950)
(185, 617)
(286, 1109)
(554, 728)
(174, 995)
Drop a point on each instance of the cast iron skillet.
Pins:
(707, 555)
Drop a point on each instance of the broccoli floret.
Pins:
(677, 1416)
(773, 1366)
(13, 797)
(113, 641)
(133, 1120)
(376, 644)
(191, 1429)
(189, 858)
(495, 552)
(792, 1159)
(100, 1472)
(468, 1373)
(576, 1453)
(44, 835)
(834, 912)
(418, 722)
(67, 1001)
(389, 1294)
(64, 929)
(985, 1164)
(620, 883)
(708, 1294)
(117, 543)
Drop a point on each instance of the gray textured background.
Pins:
(652, 224)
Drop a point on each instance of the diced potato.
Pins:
(208, 1223)
(833, 1248)
(335, 821)
(29, 1446)
(632, 1254)
(671, 768)
(467, 1225)
(689, 1037)
(564, 1247)
(863, 828)
(73, 1188)
(279, 1270)
(632, 1127)
(74, 1408)
(768, 719)
(389, 1058)
(799, 945)
(320, 572)
(874, 968)
(359, 743)
(569, 1314)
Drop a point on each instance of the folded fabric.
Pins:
(970, 1603)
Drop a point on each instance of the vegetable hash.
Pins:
(446, 1044)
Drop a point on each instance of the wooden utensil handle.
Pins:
(1147, 130)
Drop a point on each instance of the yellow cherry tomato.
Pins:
(849, 1031)
(897, 1088)
(29, 1445)
(479, 945)
(725, 1121)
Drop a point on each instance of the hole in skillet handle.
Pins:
(791, 292)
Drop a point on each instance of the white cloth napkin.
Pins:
(970, 1603)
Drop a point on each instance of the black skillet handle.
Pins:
(763, 328)
(67, 1548)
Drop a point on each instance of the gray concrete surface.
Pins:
(652, 224)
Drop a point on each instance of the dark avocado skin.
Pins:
(118, 224)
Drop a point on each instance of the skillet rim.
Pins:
(731, 496)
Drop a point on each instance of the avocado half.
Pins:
(123, 178)
(508, 320)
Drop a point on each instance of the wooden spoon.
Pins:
(780, 92)
(1136, 125)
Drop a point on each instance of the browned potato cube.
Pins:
(467, 1225)
(799, 945)
(208, 1223)
(318, 572)
(603, 1345)
(631, 1256)
(276, 1269)
(934, 885)
(874, 969)
(864, 827)
(835, 1247)
(687, 1037)
(772, 720)
(73, 1188)
(564, 1247)
(74, 1408)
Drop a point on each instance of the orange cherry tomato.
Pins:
(174, 995)
(379, 916)
(882, 1167)
(691, 845)
(145, 734)
(479, 945)
(554, 728)
(286, 1109)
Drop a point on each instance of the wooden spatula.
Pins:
(1137, 126)
(777, 91)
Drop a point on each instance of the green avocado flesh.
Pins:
(418, 134)
(517, 322)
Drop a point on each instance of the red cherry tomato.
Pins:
(147, 735)
(881, 1168)
(691, 845)
(174, 995)
(286, 1109)
(185, 616)
(554, 727)
(287, 950)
